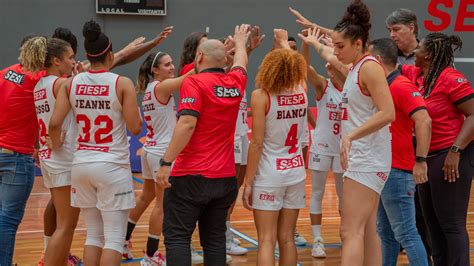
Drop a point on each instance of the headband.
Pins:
(101, 53)
(153, 62)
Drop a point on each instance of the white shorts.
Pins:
(106, 186)
(241, 149)
(373, 180)
(150, 164)
(55, 180)
(276, 198)
(320, 162)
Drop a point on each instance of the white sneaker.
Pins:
(236, 241)
(318, 248)
(126, 253)
(195, 257)
(300, 240)
(228, 259)
(157, 260)
(233, 249)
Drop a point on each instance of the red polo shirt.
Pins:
(18, 124)
(214, 98)
(407, 100)
(451, 89)
(186, 68)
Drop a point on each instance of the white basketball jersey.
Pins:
(98, 113)
(59, 160)
(372, 153)
(327, 134)
(160, 119)
(241, 127)
(281, 163)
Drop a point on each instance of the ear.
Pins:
(56, 61)
(411, 26)
(358, 44)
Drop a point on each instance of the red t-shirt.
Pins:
(186, 68)
(18, 124)
(214, 98)
(451, 89)
(407, 100)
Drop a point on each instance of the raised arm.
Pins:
(137, 48)
(241, 36)
(165, 88)
(317, 81)
(306, 23)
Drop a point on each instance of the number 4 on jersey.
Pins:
(291, 139)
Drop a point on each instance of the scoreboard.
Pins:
(131, 7)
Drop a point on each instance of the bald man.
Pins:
(202, 185)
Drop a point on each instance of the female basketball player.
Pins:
(275, 176)
(366, 111)
(324, 153)
(57, 58)
(104, 104)
(157, 83)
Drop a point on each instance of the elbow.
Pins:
(137, 129)
(53, 126)
(390, 116)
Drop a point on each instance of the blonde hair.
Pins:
(36, 53)
(33, 54)
(280, 70)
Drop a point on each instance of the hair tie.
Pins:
(101, 53)
(153, 62)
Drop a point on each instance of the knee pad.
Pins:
(95, 227)
(115, 228)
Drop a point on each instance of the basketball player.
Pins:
(104, 104)
(57, 58)
(157, 82)
(324, 152)
(366, 112)
(275, 176)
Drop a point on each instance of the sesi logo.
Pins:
(147, 96)
(223, 92)
(461, 20)
(266, 196)
(285, 164)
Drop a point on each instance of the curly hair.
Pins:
(280, 70)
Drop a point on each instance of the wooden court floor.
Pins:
(29, 241)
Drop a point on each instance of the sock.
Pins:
(152, 245)
(130, 227)
(46, 241)
(316, 230)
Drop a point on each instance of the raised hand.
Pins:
(311, 36)
(256, 38)
(300, 19)
(241, 34)
(164, 34)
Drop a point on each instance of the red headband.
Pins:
(101, 53)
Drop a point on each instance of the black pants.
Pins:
(445, 209)
(189, 200)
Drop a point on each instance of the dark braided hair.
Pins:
(441, 47)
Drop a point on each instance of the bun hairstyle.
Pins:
(37, 52)
(441, 47)
(355, 24)
(96, 43)
(68, 36)
(145, 73)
